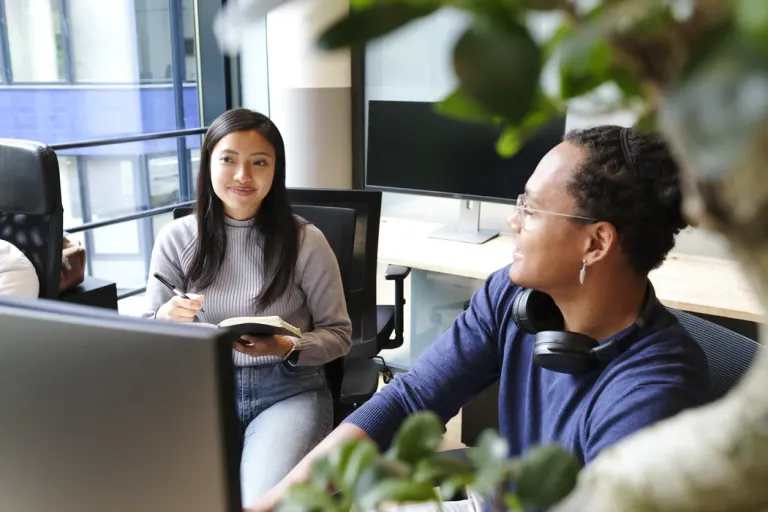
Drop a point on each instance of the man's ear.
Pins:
(602, 240)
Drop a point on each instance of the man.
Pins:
(599, 213)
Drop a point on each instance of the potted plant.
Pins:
(356, 477)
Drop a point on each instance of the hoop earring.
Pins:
(583, 271)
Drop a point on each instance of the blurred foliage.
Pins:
(356, 477)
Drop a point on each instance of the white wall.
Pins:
(307, 91)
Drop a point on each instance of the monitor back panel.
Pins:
(99, 413)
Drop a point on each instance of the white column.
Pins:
(309, 92)
(32, 40)
(104, 44)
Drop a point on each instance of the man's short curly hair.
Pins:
(641, 198)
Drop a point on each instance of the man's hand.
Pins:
(266, 503)
(256, 346)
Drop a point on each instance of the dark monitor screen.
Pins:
(411, 148)
(103, 412)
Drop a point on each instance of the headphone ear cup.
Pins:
(564, 352)
(535, 311)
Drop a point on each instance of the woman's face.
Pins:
(550, 248)
(242, 170)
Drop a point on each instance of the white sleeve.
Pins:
(17, 274)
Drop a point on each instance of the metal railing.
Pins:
(129, 138)
(142, 214)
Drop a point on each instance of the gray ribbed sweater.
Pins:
(314, 302)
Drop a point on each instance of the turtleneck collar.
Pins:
(229, 221)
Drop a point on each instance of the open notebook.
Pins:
(256, 326)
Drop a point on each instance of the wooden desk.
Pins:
(698, 284)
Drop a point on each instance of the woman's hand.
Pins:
(179, 309)
(256, 346)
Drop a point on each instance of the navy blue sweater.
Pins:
(661, 373)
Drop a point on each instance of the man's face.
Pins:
(550, 247)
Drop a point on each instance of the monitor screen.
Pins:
(411, 148)
(104, 412)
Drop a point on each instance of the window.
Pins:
(190, 38)
(121, 68)
(115, 76)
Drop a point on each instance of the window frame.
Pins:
(178, 47)
(218, 90)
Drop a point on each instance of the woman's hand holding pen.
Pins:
(179, 309)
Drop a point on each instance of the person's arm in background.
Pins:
(17, 274)
(320, 277)
(455, 368)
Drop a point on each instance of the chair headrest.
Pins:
(29, 172)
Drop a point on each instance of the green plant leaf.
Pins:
(752, 20)
(363, 456)
(499, 67)
(564, 30)
(397, 490)
(459, 106)
(547, 474)
(452, 485)
(489, 458)
(360, 5)
(306, 497)
(435, 469)
(322, 473)
(586, 57)
(512, 502)
(514, 136)
(418, 437)
(542, 5)
(362, 25)
(647, 123)
(585, 63)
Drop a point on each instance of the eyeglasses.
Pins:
(523, 212)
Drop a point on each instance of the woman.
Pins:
(600, 211)
(244, 253)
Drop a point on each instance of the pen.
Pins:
(160, 277)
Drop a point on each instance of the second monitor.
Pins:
(413, 149)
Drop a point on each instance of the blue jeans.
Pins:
(284, 411)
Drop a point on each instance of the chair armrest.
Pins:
(362, 350)
(360, 381)
(396, 272)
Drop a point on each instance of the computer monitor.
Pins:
(100, 412)
(413, 149)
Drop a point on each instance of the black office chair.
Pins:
(31, 213)
(374, 327)
(729, 354)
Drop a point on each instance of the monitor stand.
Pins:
(468, 229)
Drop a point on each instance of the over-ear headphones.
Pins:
(570, 352)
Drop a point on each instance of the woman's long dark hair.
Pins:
(274, 222)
